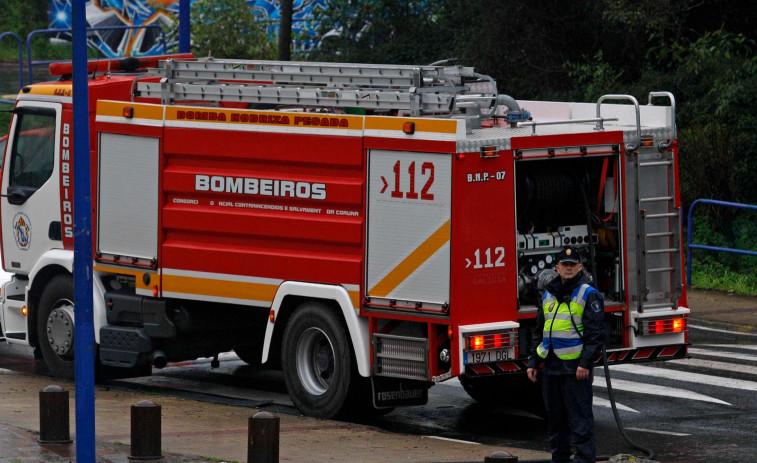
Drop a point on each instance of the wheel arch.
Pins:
(53, 263)
(291, 294)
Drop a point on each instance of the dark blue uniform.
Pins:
(569, 401)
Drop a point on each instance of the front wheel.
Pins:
(55, 326)
(318, 362)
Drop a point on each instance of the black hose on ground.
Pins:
(649, 452)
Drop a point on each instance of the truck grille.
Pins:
(400, 357)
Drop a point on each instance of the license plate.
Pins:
(489, 356)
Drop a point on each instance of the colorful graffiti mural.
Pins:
(150, 15)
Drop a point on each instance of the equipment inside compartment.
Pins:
(561, 202)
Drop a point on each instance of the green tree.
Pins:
(227, 29)
(23, 17)
(382, 31)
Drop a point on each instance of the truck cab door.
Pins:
(30, 204)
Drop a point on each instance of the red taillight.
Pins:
(663, 326)
(490, 341)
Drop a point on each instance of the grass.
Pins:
(715, 276)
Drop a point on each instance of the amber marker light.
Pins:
(408, 127)
(272, 316)
(476, 343)
(489, 152)
(24, 311)
(678, 325)
(128, 112)
(154, 291)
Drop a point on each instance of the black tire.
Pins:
(514, 390)
(55, 326)
(318, 363)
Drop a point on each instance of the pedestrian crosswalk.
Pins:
(711, 375)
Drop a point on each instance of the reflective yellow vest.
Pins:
(563, 324)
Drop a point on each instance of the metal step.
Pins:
(660, 270)
(662, 251)
(655, 163)
(659, 235)
(662, 216)
(659, 198)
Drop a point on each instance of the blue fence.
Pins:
(31, 63)
(689, 232)
(20, 60)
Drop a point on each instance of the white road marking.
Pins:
(714, 365)
(687, 377)
(728, 355)
(670, 433)
(731, 346)
(600, 402)
(452, 440)
(652, 389)
(717, 330)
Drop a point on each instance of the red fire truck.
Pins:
(369, 229)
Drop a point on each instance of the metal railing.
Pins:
(31, 63)
(20, 60)
(689, 232)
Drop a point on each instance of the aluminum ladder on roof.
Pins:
(420, 90)
(658, 224)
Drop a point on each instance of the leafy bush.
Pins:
(227, 29)
(725, 228)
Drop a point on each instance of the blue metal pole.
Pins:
(84, 336)
(184, 29)
(689, 233)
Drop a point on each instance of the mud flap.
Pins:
(398, 392)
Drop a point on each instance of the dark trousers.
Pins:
(569, 417)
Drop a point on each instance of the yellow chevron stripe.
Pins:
(411, 263)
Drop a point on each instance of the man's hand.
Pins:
(531, 372)
(582, 374)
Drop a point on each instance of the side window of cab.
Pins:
(33, 151)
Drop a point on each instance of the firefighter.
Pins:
(567, 340)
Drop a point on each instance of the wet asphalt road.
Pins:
(700, 409)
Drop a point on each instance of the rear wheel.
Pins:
(55, 326)
(318, 362)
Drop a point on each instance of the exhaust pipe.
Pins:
(159, 359)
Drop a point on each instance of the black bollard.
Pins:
(145, 431)
(53, 416)
(501, 457)
(263, 438)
